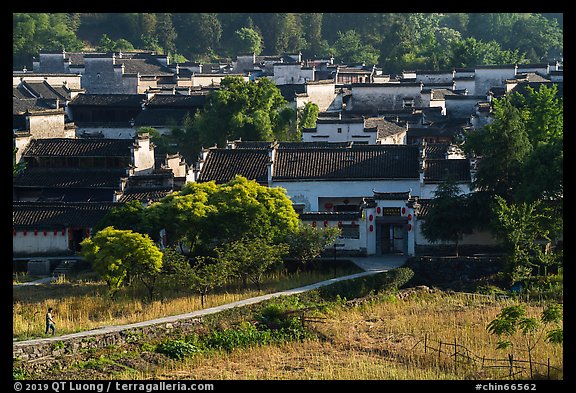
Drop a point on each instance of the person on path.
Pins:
(50, 324)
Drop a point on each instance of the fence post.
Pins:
(455, 354)
(511, 360)
(426, 343)
(439, 351)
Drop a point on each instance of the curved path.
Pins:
(370, 265)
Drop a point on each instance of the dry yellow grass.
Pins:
(85, 305)
(384, 341)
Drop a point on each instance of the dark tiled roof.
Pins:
(358, 162)
(85, 147)
(177, 101)
(44, 90)
(58, 214)
(253, 144)
(76, 194)
(222, 165)
(19, 93)
(313, 145)
(289, 91)
(117, 100)
(384, 127)
(161, 117)
(144, 194)
(21, 106)
(69, 178)
(392, 196)
(416, 132)
(330, 216)
(436, 150)
(440, 170)
(146, 66)
(424, 208)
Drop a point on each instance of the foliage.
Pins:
(206, 275)
(129, 215)
(396, 41)
(247, 110)
(449, 216)
(250, 258)
(522, 227)
(513, 319)
(120, 254)
(108, 45)
(247, 40)
(17, 168)
(307, 243)
(308, 115)
(176, 349)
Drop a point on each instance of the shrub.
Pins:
(177, 349)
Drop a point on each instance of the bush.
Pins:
(177, 349)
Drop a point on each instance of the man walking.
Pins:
(50, 324)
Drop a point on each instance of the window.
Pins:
(407, 102)
(350, 231)
(339, 130)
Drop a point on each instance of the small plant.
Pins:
(148, 347)
(58, 345)
(177, 349)
(513, 319)
(19, 374)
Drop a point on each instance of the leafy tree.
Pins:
(117, 255)
(130, 215)
(182, 214)
(449, 216)
(349, 49)
(503, 147)
(308, 115)
(206, 29)
(242, 208)
(471, 52)
(307, 242)
(246, 110)
(206, 276)
(247, 40)
(521, 227)
(250, 258)
(513, 319)
(165, 32)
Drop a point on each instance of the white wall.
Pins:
(39, 243)
(308, 192)
(143, 155)
(383, 96)
(485, 78)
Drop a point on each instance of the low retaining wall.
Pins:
(45, 352)
(452, 272)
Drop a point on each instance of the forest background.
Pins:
(393, 41)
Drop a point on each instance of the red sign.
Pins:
(371, 228)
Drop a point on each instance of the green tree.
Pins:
(247, 110)
(471, 52)
(523, 228)
(513, 319)
(117, 255)
(165, 32)
(130, 215)
(247, 40)
(307, 242)
(503, 147)
(449, 216)
(308, 115)
(350, 49)
(250, 258)
(17, 167)
(206, 275)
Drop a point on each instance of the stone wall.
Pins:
(42, 354)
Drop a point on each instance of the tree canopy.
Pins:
(395, 41)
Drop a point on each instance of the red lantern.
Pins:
(35, 232)
(55, 232)
(378, 210)
(403, 210)
(370, 217)
(371, 228)
(63, 231)
(13, 232)
(45, 233)
(339, 224)
(409, 227)
(325, 223)
(409, 217)
(25, 233)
